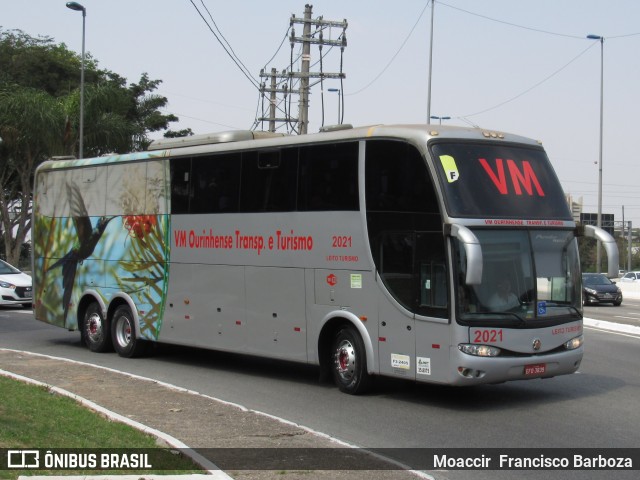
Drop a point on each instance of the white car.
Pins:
(631, 277)
(15, 286)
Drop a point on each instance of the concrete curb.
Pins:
(230, 425)
(611, 326)
(213, 471)
(121, 477)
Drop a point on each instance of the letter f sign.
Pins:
(450, 168)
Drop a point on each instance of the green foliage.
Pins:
(588, 254)
(39, 63)
(186, 132)
(146, 265)
(52, 236)
(34, 417)
(40, 118)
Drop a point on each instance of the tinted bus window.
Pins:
(397, 179)
(493, 180)
(215, 183)
(180, 184)
(329, 177)
(405, 227)
(205, 184)
(269, 180)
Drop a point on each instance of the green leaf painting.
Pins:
(102, 232)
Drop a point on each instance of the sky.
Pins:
(519, 66)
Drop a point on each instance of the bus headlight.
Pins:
(574, 343)
(479, 350)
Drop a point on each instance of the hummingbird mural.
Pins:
(88, 237)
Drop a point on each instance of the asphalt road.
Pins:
(627, 313)
(598, 407)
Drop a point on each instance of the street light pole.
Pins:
(433, 6)
(339, 99)
(435, 117)
(599, 220)
(79, 8)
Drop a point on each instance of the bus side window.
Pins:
(180, 182)
(215, 183)
(269, 181)
(328, 177)
(433, 285)
(396, 266)
(405, 227)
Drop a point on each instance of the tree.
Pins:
(39, 63)
(185, 132)
(39, 118)
(145, 112)
(31, 127)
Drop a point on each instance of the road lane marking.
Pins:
(612, 327)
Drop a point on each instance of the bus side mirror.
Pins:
(473, 251)
(610, 246)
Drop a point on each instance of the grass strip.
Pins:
(34, 417)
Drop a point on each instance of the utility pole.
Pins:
(272, 102)
(307, 39)
(273, 90)
(304, 80)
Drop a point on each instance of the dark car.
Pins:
(597, 288)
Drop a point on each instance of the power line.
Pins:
(509, 23)
(224, 38)
(286, 36)
(532, 87)
(486, 18)
(233, 57)
(283, 82)
(539, 30)
(623, 36)
(200, 119)
(395, 54)
(205, 100)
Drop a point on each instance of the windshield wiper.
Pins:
(520, 320)
(572, 309)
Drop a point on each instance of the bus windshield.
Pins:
(528, 278)
(496, 181)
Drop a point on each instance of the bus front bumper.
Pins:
(472, 370)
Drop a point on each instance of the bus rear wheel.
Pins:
(123, 332)
(95, 330)
(349, 362)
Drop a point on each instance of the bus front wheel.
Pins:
(124, 334)
(95, 330)
(349, 362)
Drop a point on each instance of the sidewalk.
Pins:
(629, 289)
(186, 419)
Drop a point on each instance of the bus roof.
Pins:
(247, 139)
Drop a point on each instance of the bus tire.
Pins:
(95, 330)
(123, 333)
(349, 362)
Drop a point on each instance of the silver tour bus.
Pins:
(429, 253)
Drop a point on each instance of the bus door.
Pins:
(413, 268)
(432, 329)
(396, 267)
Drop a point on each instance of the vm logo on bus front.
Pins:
(332, 279)
(525, 178)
